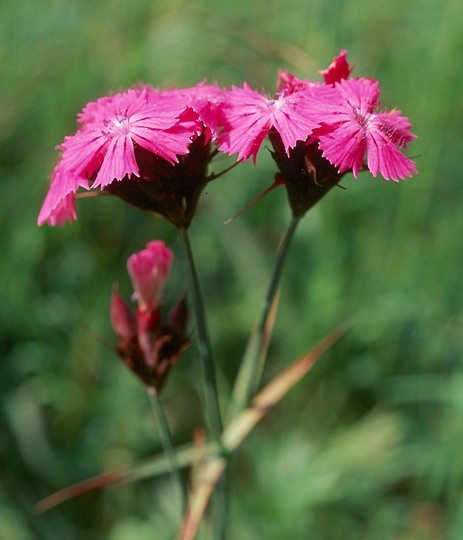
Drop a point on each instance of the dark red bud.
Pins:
(178, 317)
(122, 319)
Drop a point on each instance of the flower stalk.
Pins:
(214, 417)
(252, 365)
(167, 444)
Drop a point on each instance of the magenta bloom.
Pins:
(206, 100)
(149, 270)
(104, 149)
(355, 129)
(248, 117)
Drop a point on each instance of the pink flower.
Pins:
(148, 270)
(353, 129)
(103, 150)
(206, 101)
(248, 117)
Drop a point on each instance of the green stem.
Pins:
(166, 440)
(251, 368)
(205, 350)
(220, 499)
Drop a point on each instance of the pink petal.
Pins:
(83, 153)
(396, 127)
(384, 157)
(65, 210)
(345, 147)
(246, 139)
(59, 204)
(359, 94)
(288, 83)
(338, 70)
(118, 162)
(167, 143)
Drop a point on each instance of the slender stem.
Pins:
(210, 382)
(252, 365)
(277, 271)
(166, 440)
(220, 499)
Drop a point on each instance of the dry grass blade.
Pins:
(185, 456)
(100, 481)
(242, 425)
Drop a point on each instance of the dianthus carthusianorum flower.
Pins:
(319, 131)
(103, 149)
(248, 116)
(130, 144)
(354, 129)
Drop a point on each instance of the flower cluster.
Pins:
(319, 131)
(152, 148)
(148, 346)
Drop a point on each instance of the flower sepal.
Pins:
(170, 191)
(155, 347)
(305, 173)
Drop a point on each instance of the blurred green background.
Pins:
(370, 445)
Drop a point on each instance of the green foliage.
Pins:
(370, 445)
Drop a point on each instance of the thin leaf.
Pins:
(158, 465)
(242, 425)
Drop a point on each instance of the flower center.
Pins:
(274, 104)
(121, 124)
(362, 120)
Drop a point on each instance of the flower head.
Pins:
(149, 270)
(248, 117)
(113, 131)
(355, 129)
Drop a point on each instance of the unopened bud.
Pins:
(122, 319)
(178, 316)
(148, 270)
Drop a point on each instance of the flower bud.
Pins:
(148, 270)
(122, 319)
